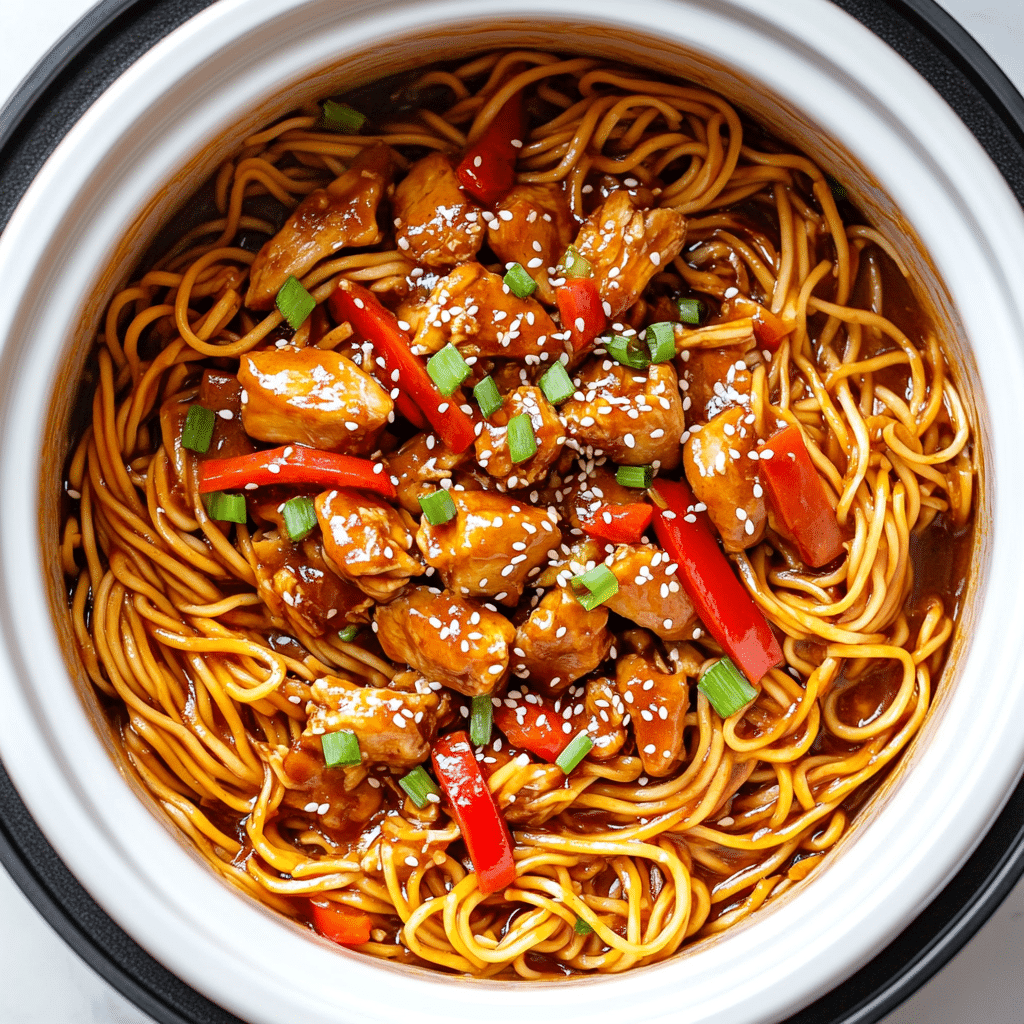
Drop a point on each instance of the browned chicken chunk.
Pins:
(221, 393)
(366, 541)
(635, 417)
(657, 703)
(418, 467)
(602, 716)
(626, 247)
(587, 492)
(649, 594)
(309, 396)
(491, 546)
(721, 473)
(713, 379)
(450, 639)
(436, 223)
(328, 219)
(472, 309)
(492, 451)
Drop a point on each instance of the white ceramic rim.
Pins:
(265, 970)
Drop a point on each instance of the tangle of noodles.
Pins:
(210, 687)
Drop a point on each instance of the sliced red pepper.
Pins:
(339, 923)
(533, 727)
(621, 524)
(581, 310)
(721, 600)
(488, 170)
(379, 325)
(798, 498)
(294, 464)
(483, 828)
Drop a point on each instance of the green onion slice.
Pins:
(480, 719)
(594, 587)
(574, 265)
(295, 303)
(579, 746)
(348, 634)
(299, 516)
(447, 369)
(197, 433)
(725, 686)
(522, 443)
(341, 749)
(581, 927)
(556, 385)
(340, 117)
(519, 282)
(224, 507)
(634, 476)
(692, 311)
(439, 508)
(488, 397)
(420, 787)
(629, 351)
(661, 340)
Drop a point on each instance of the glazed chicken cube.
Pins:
(626, 247)
(716, 458)
(366, 541)
(649, 594)
(580, 556)
(436, 223)
(221, 393)
(657, 703)
(560, 642)
(586, 492)
(713, 379)
(418, 467)
(532, 226)
(635, 417)
(450, 639)
(314, 397)
(602, 716)
(328, 219)
(492, 451)
(490, 547)
(472, 309)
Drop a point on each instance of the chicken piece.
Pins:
(299, 588)
(716, 458)
(587, 492)
(314, 397)
(472, 309)
(533, 226)
(366, 541)
(635, 417)
(418, 467)
(222, 393)
(602, 716)
(626, 246)
(713, 379)
(490, 547)
(394, 727)
(492, 445)
(328, 219)
(450, 639)
(657, 703)
(580, 556)
(436, 223)
(560, 642)
(648, 594)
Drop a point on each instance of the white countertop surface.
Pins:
(43, 982)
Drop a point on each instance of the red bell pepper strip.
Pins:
(581, 310)
(721, 600)
(533, 727)
(483, 828)
(488, 170)
(339, 923)
(620, 524)
(294, 464)
(379, 326)
(798, 497)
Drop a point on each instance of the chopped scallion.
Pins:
(556, 385)
(594, 587)
(488, 397)
(420, 787)
(224, 507)
(299, 516)
(348, 634)
(522, 443)
(581, 927)
(692, 311)
(340, 117)
(447, 369)
(519, 282)
(295, 303)
(438, 507)
(629, 351)
(574, 265)
(480, 719)
(725, 686)
(661, 340)
(634, 476)
(579, 746)
(341, 749)
(197, 433)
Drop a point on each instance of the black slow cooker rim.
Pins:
(96, 50)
